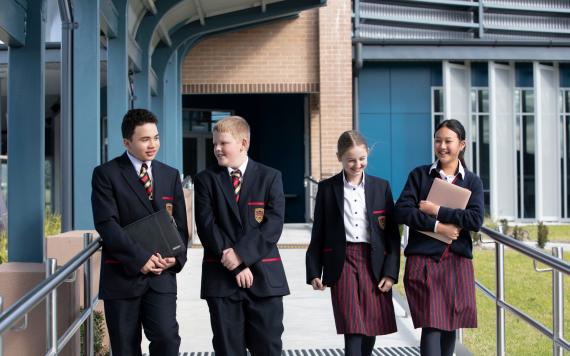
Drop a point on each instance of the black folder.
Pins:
(157, 233)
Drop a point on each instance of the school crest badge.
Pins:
(382, 221)
(258, 214)
(169, 208)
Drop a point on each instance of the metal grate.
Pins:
(381, 351)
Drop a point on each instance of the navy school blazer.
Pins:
(407, 212)
(251, 227)
(118, 198)
(327, 250)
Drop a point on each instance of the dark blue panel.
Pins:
(411, 146)
(376, 130)
(374, 89)
(564, 74)
(277, 134)
(480, 74)
(523, 75)
(436, 75)
(410, 88)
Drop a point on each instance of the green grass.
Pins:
(556, 233)
(527, 290)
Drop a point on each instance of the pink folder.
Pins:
(450, 196)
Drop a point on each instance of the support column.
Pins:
(172, 127)
(26, 141)
(117, 81)
(502, 141)
(86, 109)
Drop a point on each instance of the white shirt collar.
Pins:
(347, 182)
(241, 168)
(137, 163)
(461, 170)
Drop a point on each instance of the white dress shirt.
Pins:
(241, 168)
(355, 221)
(137, 163)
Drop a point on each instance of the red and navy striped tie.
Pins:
(236, 183)
(145, 180)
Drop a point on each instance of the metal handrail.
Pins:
(311, 187)
(533, 253)
(557, 266)
(47, 288)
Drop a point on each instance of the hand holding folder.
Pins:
(447, 195)
(157, 233)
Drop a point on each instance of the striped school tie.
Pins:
(236, 183)
(145, 180)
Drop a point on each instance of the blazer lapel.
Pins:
(247, 184)
(226, 185)
(157, 184)
(339, 192)
(128, 172)
(369, 198)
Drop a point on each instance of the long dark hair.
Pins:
(457, 127)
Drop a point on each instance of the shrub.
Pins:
(3, 246)
(542, 232)
(517, 233)
(98, 335)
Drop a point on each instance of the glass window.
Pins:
(480, 139)
(525, 150)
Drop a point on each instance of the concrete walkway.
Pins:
(308, 318)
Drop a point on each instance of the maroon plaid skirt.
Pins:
(359, 306)
(441, 294)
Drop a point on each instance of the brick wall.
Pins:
(308, 54)
(278, 57)
(335, 62)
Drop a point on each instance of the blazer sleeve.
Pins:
(258, 242)
(313, 258)
(470, 218)
(106, 219)
(407, 211)
(181, 219)
(212, 237)
(391, 266)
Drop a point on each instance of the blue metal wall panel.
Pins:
(480, 74)
(436, 74)
(564, 74)
(395, 107)
(523, 75)
(374, 94)
(377, 131)
(411, 146)
(410, 89)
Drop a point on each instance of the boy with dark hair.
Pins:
(138, 287)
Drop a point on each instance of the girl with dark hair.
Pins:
(439, 279)
(355, 248)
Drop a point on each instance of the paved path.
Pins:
(308, 317)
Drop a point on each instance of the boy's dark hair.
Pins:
(134, 118)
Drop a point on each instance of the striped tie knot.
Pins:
(145, 180)
(236, 182)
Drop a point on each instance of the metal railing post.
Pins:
(500, 281)
(87, 300)
(557, 305)
(51, 311)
